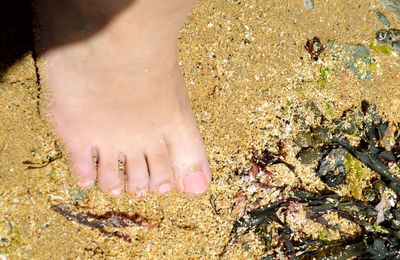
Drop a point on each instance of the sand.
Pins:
(247, 72)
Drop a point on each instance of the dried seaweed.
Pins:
(261, 161)
(49, 159)
(110, 219)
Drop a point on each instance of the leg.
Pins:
(120, 90)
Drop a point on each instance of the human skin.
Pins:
(116, 92)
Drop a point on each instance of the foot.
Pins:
(118, 94)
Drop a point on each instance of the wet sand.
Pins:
(247, 72)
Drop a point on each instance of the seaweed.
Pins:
(261, 160)
(111, 219)
(49, 159)
(360, 137)
(371, 151)
(363, 244)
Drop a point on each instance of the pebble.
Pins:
(309, 4)
(354, 56)
(382, 18)
(392, 5)
(396, 46)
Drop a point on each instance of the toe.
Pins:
(160, 169)
(189, 160)
(110, 180)
(83, 167)
(138, 174)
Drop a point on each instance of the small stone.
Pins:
(309, 4)
(396, 46)
(382, 18)
(309, 155)
(322, 134)
(303, 140)
(392, 5)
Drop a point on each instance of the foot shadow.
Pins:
(15, 31)
(16, 25)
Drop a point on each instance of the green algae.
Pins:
(14, 241)
(366, 66)
(77, 194)
(380, 229)
(325, 235)
(52, 175)
(381, 48)
(324, 77)
(356, 176)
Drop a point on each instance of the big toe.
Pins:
(189, 160)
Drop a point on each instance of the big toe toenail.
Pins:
(195, 183)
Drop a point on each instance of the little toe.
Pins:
(160, 169)
(110, 180)
(138, 174)
(189, 160)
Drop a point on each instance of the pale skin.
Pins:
(117, 93)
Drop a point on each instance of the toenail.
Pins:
(195, 183)
(164, 188)
(141, 193)
(116, 192)
(86, 183)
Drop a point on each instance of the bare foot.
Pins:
(119, 94)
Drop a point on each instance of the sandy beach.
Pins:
(249, 77)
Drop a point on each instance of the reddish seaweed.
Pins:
(111, 219)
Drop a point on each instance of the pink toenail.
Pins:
(86, 184)
(195, 182)
(164, 188)
(116, 192)
(141, 193)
